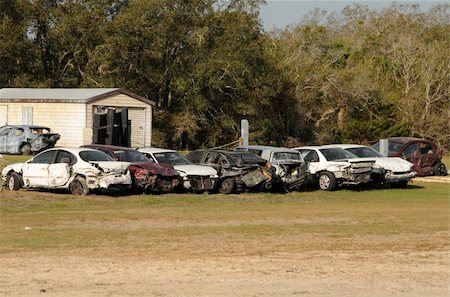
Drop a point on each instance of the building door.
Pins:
(111, 126)
(27, 115)
(3, 115)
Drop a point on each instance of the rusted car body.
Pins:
(147, 175)
(26, 139)
(77, 169)
(237, 171)
(424, 154)
(290, 167)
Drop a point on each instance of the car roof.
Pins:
(344, 145)
(308, 147)
(267, 147)
(27, 126)
(153, 150)
(405, 139)
(108, 146)
(73, 150)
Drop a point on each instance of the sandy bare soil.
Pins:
(307, 273)
(302, 264)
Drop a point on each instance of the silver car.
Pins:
(26, 139)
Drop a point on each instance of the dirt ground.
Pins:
(314, 273)
(407, 265)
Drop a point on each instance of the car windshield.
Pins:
(332, 154)
(363, 152)
(94, 155)
(131, 156)
(286, 156)
(172, 158)
(393, 146)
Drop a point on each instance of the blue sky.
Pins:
(280, 13)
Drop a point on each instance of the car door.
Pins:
(427, 157)
(312, 158)
(412, 154)
(4, 132)
(35, 172)
(60, 172)
(15, 139)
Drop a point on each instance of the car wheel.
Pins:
(79, 186)
(227, 186)
(26, 149)
(440, 169)
(327, 181)
(14, 181)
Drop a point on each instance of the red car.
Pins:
(424, 154)
(147, 176)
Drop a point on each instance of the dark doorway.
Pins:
(111, 126)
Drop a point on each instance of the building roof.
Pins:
(68, 95)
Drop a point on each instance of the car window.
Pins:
(411, 149)
(332, 154)
(286, 156)
(40, 130)
(394, 146)
(46, 157)
(18, 132)
(172, 158)
(196, 156)
(255, 151)
(130, 156)
(426, 149)
(94, 155)
(364, 152)
(311, 156)
(64, 155)
(149, 156)
(5, 131)
(212, 158)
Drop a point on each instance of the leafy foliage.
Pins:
(353, 77)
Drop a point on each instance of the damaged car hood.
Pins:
(109, 166)
(195, 170)
(158, 168)
(394, 164)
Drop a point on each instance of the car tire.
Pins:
(79, 186)
(440, 169)
(227, 186)
(26, 149)
(14, 181)
(327, 181)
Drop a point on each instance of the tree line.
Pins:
(355, 76)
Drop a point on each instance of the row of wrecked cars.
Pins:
(117, 169)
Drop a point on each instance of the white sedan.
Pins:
(333, 167)
(387, 169)
(196, 178)
(76, 169)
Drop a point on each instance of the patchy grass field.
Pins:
(352, 242)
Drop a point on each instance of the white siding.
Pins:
(137, 117)
(67, 119)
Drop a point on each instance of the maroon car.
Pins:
(424, 154)
(147, 176)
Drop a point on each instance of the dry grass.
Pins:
(246, 224)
